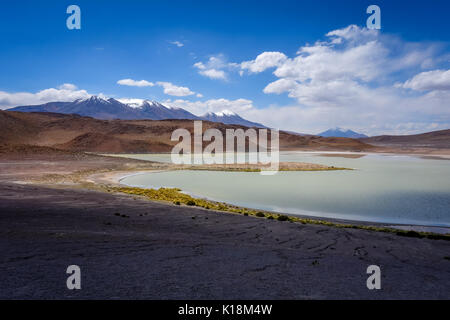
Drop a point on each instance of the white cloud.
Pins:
(348, 81)
(64, 93)
(353, 33)
(385, 115)
(68, 86)
(215, 68)
(135, 83)
(429, 81)
(177, 43)
(325, 63)
(280, 86)
(173, 90)
(352, 56)
(264, 61)
(213, 74)
(169, 88)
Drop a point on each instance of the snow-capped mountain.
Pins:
(157, 111)
(93, 106)
(342, 133)
(109, 108)
(131, 109)
(229, 117)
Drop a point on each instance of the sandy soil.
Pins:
(159, 251)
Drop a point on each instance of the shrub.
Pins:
(177, 203)
(260, 214)
(191, 203)
(282, 218)
(270, 217)
(411, 234)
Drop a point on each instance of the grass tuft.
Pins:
(174, 195)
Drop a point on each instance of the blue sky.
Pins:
(202, 56)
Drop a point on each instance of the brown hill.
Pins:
(76, 133)
(436, 139)
(99, 142)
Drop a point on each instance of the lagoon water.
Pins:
(382, 188)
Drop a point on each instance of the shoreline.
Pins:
(432, 154)
(113, 176)
(115, 179)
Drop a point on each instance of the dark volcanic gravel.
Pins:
(136, 249)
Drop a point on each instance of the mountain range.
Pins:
(342, 133)
(132, 109)
(72, 132)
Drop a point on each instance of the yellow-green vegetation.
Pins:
(175, 196)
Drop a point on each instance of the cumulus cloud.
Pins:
(264, 61)
(64, 93)
(215, 68)
(350, 62)
(348, 80)
(429, 81)
(169, 88)
(280, 86)
(213, 74)
(173, 90)
(135, 83)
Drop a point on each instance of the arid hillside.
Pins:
(76, 133)
(436, 139)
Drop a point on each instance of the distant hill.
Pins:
(131, 109)
(436, 139)
(77, 133)
(342, 133)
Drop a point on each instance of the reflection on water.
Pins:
(391, 189)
